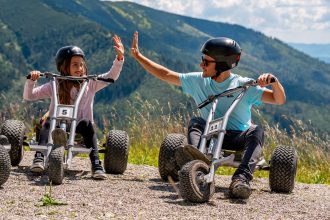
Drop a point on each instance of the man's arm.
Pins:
(155, 69)
(276, 95)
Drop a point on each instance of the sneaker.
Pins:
(38, 163)
(59, 137)
(97, 171)
(240, 189)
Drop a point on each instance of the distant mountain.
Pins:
(32, 31)
(320, 51)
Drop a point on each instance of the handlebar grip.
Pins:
(29, 75)
(203, 104)
(273, 79)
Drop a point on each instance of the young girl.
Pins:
(70, 60)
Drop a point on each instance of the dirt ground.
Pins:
(140, 194)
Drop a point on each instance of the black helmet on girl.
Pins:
(225, 51)
(66, 53)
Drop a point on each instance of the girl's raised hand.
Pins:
(119, 47)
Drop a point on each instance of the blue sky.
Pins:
(297, 21)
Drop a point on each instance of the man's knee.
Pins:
(195, 130)
(196, 123)
(256, 133)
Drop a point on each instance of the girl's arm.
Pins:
(117, 65)
(116, 68)
(34, 93)
(113, 73)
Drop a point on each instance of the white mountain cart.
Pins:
(195, 167)
(59, 157)
(11, 147)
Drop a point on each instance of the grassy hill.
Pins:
(32, 31)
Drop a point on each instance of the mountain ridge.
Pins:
(320, 51)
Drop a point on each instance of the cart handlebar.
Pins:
(93, 77)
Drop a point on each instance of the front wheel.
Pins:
(283, 169)
(167, 164)
(116, 152)
(56, 166)
(14, 130)
(193, 186)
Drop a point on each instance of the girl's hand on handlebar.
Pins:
(266, 79)
(35, 75)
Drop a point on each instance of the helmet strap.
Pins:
(219, 67)
(216, 75)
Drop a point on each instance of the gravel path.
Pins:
(140, 194)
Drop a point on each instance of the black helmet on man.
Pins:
(225, 51)
(66, 53)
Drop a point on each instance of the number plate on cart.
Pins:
(215, 126)
(65, 112)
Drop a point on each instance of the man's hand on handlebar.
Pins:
(266, 79)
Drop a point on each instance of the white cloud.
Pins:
(226, 3)
(289, 20)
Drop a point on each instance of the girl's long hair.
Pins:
(65, 86)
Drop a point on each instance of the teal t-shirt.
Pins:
(200, 88)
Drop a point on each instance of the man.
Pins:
(220, 55)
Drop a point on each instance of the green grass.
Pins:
(48, 200)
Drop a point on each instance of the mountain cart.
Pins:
(58, 155)
(195, 167)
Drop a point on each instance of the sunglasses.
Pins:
(206, 62)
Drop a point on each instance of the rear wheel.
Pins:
(4, 165)
(167, 164)
(56, 166)
(192, 185)
(116, 152)
(283, 169)
(14, 130)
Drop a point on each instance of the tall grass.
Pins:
(149, 125)
(313, 151)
